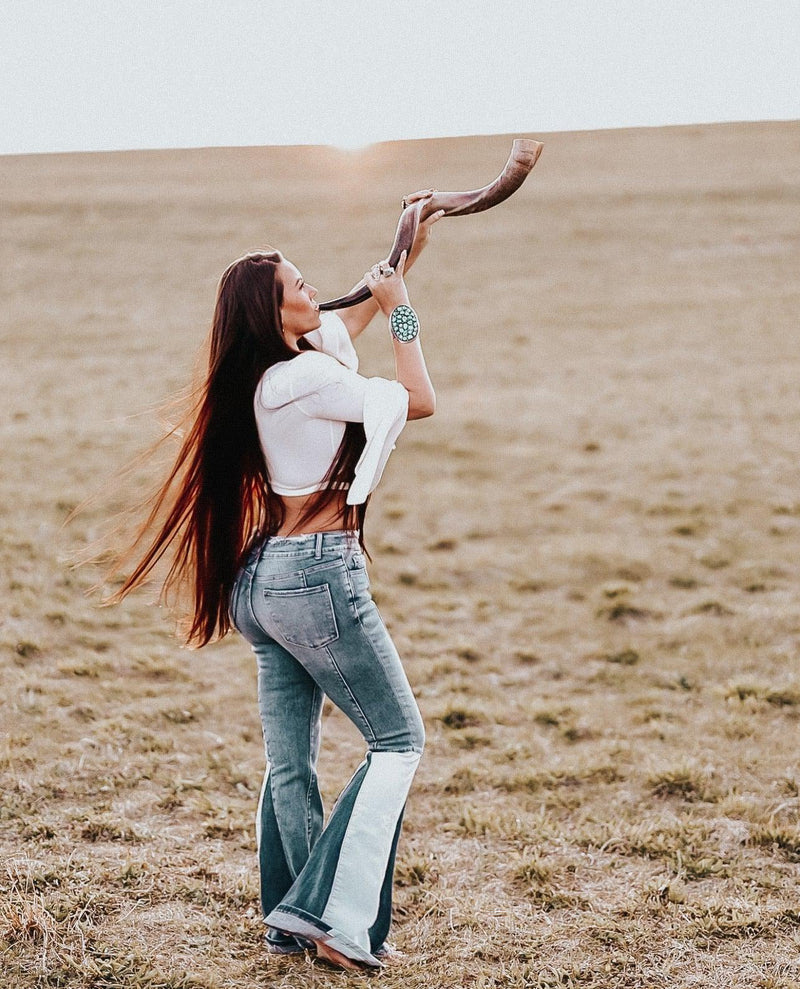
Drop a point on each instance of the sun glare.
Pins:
(352, 146)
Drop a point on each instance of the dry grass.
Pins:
(595, 590)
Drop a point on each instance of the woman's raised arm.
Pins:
(389, 291)
(358, 317)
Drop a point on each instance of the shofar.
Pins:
(523, 157)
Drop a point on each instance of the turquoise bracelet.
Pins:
(404, 324)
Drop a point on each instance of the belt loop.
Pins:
(318, 546)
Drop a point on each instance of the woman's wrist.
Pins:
(396, 299)
(404, 324)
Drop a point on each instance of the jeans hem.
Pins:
(292, 920)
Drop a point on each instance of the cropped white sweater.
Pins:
(302, 405)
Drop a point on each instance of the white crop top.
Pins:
(302, 405)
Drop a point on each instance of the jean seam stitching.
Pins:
(234, 602)
(274, 805)
(253, 572)
(249, 597)
(312, 774)
(400, 706)
(352, 595)
(350, 694)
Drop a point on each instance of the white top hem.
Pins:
(311, 489)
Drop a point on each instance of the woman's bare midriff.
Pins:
(328, 519)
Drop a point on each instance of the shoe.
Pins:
(316, 930)
(281, 943)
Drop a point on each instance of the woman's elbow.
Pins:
(422, 408)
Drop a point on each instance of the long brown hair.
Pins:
(217, 497)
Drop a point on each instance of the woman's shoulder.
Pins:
(332, 337)
(288, 380)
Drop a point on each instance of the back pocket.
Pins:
(302, 616)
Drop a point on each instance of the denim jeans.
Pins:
(304, 605)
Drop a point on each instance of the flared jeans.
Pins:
(304, 605)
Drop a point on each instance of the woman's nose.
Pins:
(312, 292)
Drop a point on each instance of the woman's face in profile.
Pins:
(299, 311)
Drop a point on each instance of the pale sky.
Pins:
(82, 75)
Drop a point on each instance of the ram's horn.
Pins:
(523, 157)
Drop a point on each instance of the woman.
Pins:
(265, 509)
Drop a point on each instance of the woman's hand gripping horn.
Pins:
(417, 211)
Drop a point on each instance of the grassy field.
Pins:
(588, 558)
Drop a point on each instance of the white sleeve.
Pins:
(317, 385)
(385, 414)
(326, 390)
(331, 337)
(382, 406)
(321, 388)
